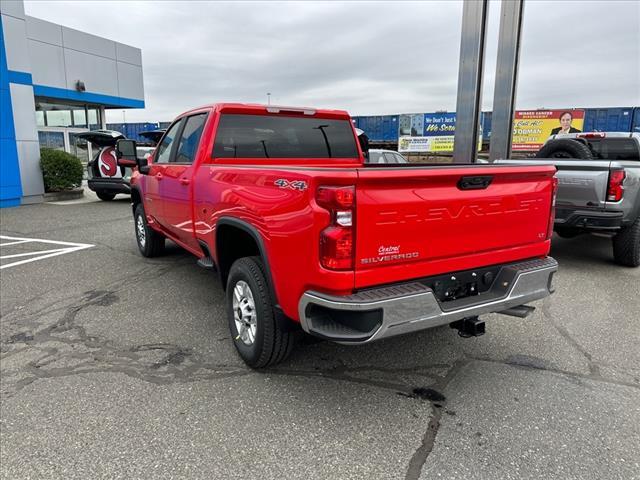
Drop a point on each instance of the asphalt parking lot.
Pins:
(116, 366)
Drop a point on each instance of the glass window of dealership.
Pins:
(59, 122)
(55, 83)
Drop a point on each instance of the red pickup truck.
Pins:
(303, 232)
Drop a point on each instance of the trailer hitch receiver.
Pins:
(469, 327)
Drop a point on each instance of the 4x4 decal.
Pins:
(300, 185)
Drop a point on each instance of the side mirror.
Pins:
(126, 151)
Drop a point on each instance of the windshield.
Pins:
(262, 136)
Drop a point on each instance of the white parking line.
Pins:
(69, 247)
(28, 254)
(13, 243)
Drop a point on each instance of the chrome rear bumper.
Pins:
(383, 312)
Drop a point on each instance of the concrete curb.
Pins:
(65, 195)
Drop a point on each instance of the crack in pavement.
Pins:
(546, 313)
(419, 457)
(91, 354)
(564, 373)
(156, 363)
(421, 454)
(345, 374)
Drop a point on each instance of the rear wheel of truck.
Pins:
(626, 245)
(150, 243)
(255, 331)
(565, 148)
(106, 196)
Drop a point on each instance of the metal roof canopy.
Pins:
(469, 99)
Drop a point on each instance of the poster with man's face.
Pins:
(531, 128)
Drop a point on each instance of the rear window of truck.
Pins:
(615, 149)
(262, 136)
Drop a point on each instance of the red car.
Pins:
(303, 233)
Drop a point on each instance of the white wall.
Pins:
(60, 56)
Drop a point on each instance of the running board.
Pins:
(206, 262)
(521, 311)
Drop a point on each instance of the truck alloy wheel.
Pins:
(256, 334)
(141, 231)
(150, 243)
(244, 313)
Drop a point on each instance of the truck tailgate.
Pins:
(418, 221)
(581, 183)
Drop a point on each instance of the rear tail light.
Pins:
(615, 190)
(552, 213)
(337, 240)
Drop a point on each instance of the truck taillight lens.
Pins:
(334, 198)
(615, 190)
(337, 240)
(336, 248)
(552, 213)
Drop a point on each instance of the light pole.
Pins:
(268, 98)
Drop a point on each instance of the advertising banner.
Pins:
(439, 124)
(425, 144)
(411, 125)
(531, 128)
(433, 133)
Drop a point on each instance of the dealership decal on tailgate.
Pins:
(389, 254)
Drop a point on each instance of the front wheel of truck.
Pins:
(626, 245)
(150, 243)
(256, 334)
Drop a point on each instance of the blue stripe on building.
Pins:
(21, 78)
(10, 186)
(86, 97)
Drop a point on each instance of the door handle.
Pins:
(159, 176)
(184, 181)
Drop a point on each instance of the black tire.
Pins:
(152, 244)
(106, 196)
(271, 343)
(626, 245)
(565, 148)
(568, 232)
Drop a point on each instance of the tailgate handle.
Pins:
(474, 183)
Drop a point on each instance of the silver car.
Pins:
(385, 156)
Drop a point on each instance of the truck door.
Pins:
(177, 174)
(154, 181)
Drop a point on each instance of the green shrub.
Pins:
(60, 170)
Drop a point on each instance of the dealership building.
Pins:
(54, 83)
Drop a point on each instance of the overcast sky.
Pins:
(367, 58)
